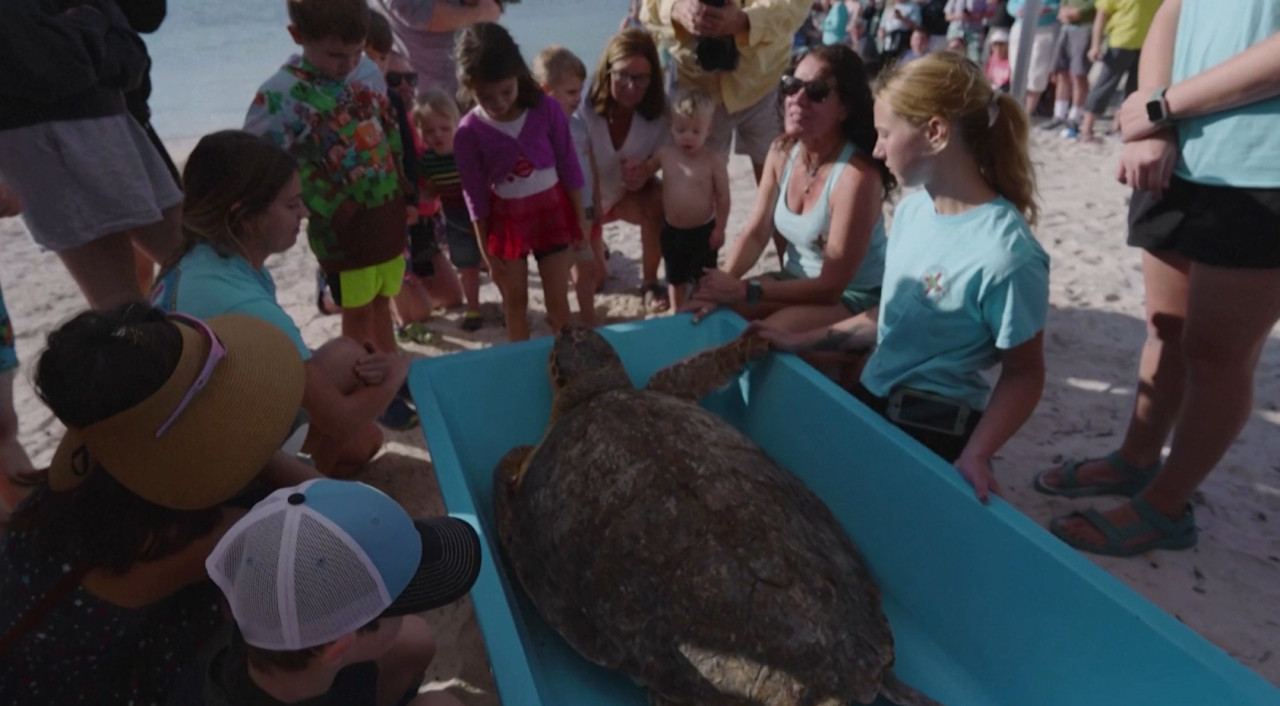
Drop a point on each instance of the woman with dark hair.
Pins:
(625, 111)
(244, 204)
(822, 191)
(103, 591)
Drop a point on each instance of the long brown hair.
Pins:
(624, 45)
(231, 176)
(952, 87)
(486, 53)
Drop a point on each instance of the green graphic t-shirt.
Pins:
(348, 147)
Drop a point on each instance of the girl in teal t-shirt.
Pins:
(966, 285)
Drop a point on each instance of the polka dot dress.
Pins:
(88, 651)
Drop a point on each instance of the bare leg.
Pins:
(104, 270)
(357, 323)
(512, 278)
(341, 452)
(586, 280)
(554, 270)
(405, 663)
(677, 294)
(13, 458)
(162, 239)
(1032, 98)
(644, 208)
(1222, 343)
(443, 285)
(1161, 372)
(383, 330)
(1079, 90)
(144, 269)
(470, 278)
(1086, 125)
(413, 303)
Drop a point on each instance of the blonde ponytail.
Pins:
(992, 125)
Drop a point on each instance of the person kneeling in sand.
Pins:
(244, 203)
(352, 567)
(695, 194)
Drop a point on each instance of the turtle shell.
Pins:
(662, 542)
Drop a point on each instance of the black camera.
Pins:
(716, 53)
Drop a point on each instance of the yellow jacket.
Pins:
(764, 50)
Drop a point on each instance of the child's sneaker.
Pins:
(472, 321)
(1071, 131)
(1054, 124)
(399, 416)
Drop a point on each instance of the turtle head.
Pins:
(583, 365)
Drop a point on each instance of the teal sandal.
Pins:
(1165, 533)
(1069, 487)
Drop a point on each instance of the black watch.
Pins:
(1158, 108)
(754, 291)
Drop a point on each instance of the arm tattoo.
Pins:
(833, 341)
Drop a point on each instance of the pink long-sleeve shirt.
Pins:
(487, 155)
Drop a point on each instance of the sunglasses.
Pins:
(395, 77)
(216, 353)
(816, 91)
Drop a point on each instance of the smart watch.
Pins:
(754, 291)
(1158, 108)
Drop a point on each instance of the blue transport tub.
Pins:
(986, 606)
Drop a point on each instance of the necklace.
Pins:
(812, 170)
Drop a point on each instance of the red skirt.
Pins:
(541, 224)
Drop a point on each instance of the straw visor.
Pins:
(218, 443)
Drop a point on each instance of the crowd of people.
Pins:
(206, 441)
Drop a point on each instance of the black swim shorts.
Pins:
(687, 252)
(1221, 226)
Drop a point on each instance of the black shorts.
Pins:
(1222, 226)
(687, 252)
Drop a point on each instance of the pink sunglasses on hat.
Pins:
(216, 353)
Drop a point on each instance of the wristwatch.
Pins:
(1158, 108)
(754, 291)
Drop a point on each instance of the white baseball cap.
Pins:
(314, 562)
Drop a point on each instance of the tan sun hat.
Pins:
(198, 454)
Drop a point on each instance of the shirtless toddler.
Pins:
(695, 195)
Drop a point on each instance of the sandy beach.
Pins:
(1227, 588)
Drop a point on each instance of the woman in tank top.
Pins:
(822, 192)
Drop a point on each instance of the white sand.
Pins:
(1227, 588)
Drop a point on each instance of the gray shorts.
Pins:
(751, 129)
(1073, 50)
(83, 179)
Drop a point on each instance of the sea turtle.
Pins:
(662, 542)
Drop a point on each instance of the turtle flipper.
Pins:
(706, 372)
(898, 692)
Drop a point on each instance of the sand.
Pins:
(1227, 588)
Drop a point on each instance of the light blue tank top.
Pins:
(1238, 147)
(806, 234)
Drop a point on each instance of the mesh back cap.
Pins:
(312, 563)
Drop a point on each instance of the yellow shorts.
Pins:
(353, 289)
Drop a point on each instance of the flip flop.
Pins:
(1069, 487)
(1166, 533)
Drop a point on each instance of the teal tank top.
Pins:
(806, 234)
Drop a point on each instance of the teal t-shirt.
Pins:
(1239, 147)
(957, 290)
(205, 284)
(835, 26)
(1046, 19)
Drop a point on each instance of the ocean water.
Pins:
(209, 57)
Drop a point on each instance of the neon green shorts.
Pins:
(353, 289)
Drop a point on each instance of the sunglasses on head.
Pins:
(395, 77)
(216, 353)
(816, 90)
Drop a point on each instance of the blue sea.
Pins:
(209, 57)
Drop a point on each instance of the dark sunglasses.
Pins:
(395, 77)
(816, 91)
